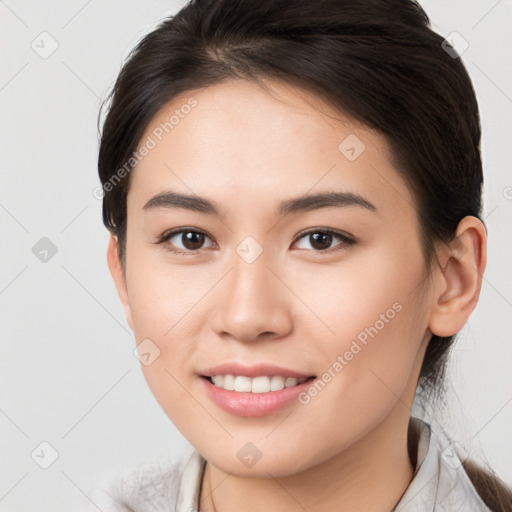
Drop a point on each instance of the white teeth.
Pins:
(242, 383)
(262, 384)
(277, 383)
(228, 382)
(289, 382)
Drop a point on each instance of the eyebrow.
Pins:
(169, 199)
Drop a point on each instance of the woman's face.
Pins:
(263, 284)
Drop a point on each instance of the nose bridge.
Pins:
(251, 301)
(250, 283)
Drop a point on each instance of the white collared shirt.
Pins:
(439, 482)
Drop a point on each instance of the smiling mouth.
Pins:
(261, 384)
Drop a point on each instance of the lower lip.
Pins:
(253, 404)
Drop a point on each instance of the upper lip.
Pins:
(258, 370)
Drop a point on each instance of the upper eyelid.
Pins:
(172, 232)
(333, 231)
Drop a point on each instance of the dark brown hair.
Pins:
(376, 60)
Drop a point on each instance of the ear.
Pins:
(116, 271)
(459, 280)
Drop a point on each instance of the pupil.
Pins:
(321, 238)
(192, 240)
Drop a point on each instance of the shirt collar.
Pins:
(439, 481)
(191, 482)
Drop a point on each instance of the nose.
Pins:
(253, 302)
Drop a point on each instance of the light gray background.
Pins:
(69, 375)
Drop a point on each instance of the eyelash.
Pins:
(347, 241)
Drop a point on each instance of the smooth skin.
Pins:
(298, 305)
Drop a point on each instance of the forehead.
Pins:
(246, 146)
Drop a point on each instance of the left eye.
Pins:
(320, 240)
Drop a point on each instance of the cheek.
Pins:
(163, 312)
(163, 302)
(163, 295)
(359, 294)
(372, 323)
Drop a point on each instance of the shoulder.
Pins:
(148, 486)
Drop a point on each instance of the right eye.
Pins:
(190, 239)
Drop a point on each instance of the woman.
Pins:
(293, 191)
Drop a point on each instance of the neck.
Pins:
(372, 474)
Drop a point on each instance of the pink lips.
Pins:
(253, 404)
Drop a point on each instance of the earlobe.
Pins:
(118, 276)
(459, 280)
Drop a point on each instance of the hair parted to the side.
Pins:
(377, 61)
